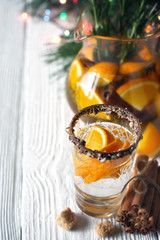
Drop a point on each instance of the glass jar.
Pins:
(117, 71)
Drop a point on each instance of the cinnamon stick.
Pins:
(139, 197)
(147, 201)
(131, 214)
(130, 229)
(137, 225)
(144, 221)
(127, 200)
(155, 210)
(144, 230)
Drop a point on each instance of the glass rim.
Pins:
(150, 36)
(122, 113)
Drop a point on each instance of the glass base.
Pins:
(100, 207)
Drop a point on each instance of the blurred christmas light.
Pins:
(25, 16)
(66, 33)
(148, 28)
(75, 1)
(46, 18)
(159, 17)
(63, 15)
(62, 1)
(56, 39)
(47, 11)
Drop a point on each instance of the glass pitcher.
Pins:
(123, 72)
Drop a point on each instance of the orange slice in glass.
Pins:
(150, 143)
(113, 146)
(139, 92)
(91, 169)
(98, 138)
(75, 73)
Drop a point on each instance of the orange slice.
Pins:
(86, 96)
(103, 72)
(131, 67)
(145, 54)
(139, 92)
(113, 146)
(91, 169)
(75, 73)
(126, 144)
(157, 67)
(150, 144)
(98, 138)
(157, 103)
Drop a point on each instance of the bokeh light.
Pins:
(62, 1)
(46, 18)
(55, 39)
(25, 16)
(47, 11)
(63, 16)
(66, 32)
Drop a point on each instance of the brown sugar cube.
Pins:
(104, 229)
(66, 219)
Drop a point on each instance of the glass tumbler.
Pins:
(104, 140)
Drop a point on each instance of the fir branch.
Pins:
(66, 51)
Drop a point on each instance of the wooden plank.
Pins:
(11, 115)
(47, 164)
(48, 186)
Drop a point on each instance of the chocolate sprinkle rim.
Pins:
(108, 109)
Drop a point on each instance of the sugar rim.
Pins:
(108, 109)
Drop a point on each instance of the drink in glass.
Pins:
(104, 141)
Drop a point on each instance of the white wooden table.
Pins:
(35, 158)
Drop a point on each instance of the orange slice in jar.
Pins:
(76, 71)
(86, 95)
(150, 143)
(139, 92)
(103, 73)
(157, 103)
(145, 54)
(157, 66)
(131, 67)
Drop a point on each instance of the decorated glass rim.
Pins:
(121, 113)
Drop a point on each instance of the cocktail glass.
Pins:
(104, 140)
